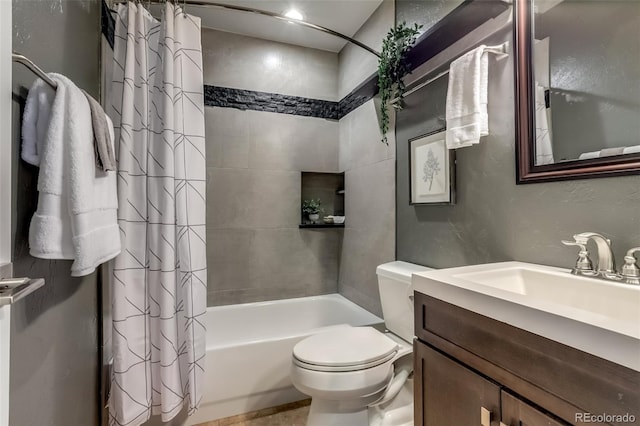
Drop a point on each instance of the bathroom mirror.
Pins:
(577, 82)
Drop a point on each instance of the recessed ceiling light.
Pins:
(294, 14)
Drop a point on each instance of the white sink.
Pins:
(596, 316)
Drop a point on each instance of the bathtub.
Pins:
(249, 350)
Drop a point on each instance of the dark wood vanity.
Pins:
(473, 370)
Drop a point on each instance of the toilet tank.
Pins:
(396, 295)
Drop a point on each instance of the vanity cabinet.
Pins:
(460, 394)
(516, 412)
(463, 397)
(473, 370)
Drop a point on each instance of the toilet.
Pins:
(359, 376)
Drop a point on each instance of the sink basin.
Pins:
(597, 316)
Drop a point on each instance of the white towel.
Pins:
(35, 121)
(589, 155)
(76, 216)
(466, 107)
(544, 147)
(631, 149)
(609, 152)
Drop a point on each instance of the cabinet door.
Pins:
(449, 394)
(516, 412)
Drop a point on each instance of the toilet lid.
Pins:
(347, 347)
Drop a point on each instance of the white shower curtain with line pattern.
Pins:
(159, 279)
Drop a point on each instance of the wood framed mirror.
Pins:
(577, 89)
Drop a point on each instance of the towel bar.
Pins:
(500, 50)
(21, 59)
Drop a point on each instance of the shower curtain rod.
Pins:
(266, 13)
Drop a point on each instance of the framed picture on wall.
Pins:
(432, 170)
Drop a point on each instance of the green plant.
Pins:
(311, 206)
(392, 67)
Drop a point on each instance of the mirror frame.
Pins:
(526, 170)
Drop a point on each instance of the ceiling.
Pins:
(344, 16)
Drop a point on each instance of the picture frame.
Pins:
(431, 170)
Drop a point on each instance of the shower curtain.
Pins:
(159, 280)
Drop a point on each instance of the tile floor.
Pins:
(294, 414)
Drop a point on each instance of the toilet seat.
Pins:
(348, 349)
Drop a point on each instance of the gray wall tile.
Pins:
(279, 263)
(362, 251)
(228, 198)
(232, 297)
(249, 199)
(232, 60)
(270, 141)
(229, 134)
(275, 199)
(255, 249)
(361, 139)
(369, 165)
(227, 260)
(370, 201)
(369, 231)
(287, 142)
(296, 258)
(356, 64)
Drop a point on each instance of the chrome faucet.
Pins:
(630, 270)
(606, 268)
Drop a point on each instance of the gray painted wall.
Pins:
(254, 161)
(493, 218)
(425, 13)
(369, 166)
(54, 345)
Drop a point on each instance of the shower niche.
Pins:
(329, 189)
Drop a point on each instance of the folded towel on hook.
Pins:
(467, 98)
(76, 217)
(102, 135)
(35, 121)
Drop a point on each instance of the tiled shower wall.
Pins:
(255, 249)
(369, 166)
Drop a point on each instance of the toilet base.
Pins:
(334, 413)
(398, 412)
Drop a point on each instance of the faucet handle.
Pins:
(630, 270)
(583, 263)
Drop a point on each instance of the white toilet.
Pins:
(357, 376)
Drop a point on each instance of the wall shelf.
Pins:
(328, 187)
(321, 225)
(468, 16)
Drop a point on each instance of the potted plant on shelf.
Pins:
(392, 68)
(312, 209)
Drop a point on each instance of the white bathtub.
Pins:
(249, 350)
